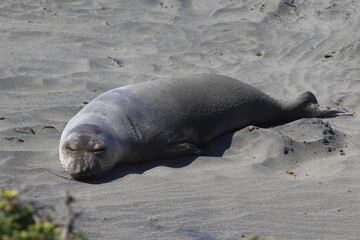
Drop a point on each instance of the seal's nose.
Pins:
(82, 169)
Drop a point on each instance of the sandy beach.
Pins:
(294, 181)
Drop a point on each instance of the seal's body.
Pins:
(168, 119)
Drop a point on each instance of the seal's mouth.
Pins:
(80, 169)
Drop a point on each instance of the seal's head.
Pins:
(87, 151)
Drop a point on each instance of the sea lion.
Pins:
(168, 119)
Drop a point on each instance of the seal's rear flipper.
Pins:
(306, 105)
(182, 149)
(325, 111)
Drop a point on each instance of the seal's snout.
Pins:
(82, 169)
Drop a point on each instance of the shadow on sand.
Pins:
(214, 149)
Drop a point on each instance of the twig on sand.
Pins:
(25, 130)
(69, 225)
(291, 4)
(14, 139)
(117, 61)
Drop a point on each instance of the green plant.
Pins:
(19, 221)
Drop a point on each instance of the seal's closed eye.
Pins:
(99, 150)
(70, 149)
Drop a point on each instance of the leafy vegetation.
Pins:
(19, 221)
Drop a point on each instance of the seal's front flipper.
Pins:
(182, 149)
(325, 111)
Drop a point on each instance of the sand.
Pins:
(295, 181)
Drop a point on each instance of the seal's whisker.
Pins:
(61, 173)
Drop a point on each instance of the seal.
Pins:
(169, 118)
